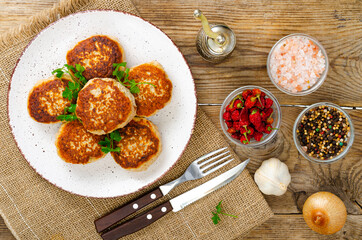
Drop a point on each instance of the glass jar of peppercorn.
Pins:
(323, 133)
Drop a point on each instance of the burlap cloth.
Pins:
(32, 208)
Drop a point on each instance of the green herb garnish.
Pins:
(71, 92)
(76, 73)
(67, 118)
(122, 73)
(108, 142)
(69, 113)
(215, 218)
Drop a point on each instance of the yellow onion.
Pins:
(324, 213)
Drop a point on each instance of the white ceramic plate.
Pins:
(142, 42)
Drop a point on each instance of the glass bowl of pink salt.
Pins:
(297, 64)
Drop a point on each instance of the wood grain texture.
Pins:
(258, 24)
(343, 178)
(5, 233)
(294, 227)
(14, 12)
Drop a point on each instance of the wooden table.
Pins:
(258, 25)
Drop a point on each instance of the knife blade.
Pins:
(175, 204)
(201, 191)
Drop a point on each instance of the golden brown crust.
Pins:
(46, 102)
(140, 145)
(76, 145)
(97, 55)
(151, 99)
(105, 105)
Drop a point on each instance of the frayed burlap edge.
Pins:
(8, 225)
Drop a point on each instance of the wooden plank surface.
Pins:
(293, 227)
(342, 178)
(5, 233)
(258, 25)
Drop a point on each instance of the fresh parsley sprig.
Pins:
(215, 218)
(76, 73)
(71, 91)
(108, 142)
(122, 72)
(69, 113)
(119, 70)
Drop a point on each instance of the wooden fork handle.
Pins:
(138, 222)
(126, 210)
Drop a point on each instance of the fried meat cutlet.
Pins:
(46, 101)
(150, 99)
(140, 145)
(76, 145)
(104, 105)
(97, 55)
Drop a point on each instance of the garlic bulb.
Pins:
(272, 177)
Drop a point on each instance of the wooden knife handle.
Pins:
(108, 220)
(139, 222)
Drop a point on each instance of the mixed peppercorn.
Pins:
(323, 132)
(249, 115)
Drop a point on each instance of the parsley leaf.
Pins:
(105, 149)
(66, 116)
(108, 142)
(126, 75)
(122, 72)
(58, 72)
(118, 71)
(74, 86)
(215, 218)
(133, 87)
(117, 65)
(218, 207)
(67, 93)
(70, 67)
(71, 92)
(116, 136)
(105, 143)
(71, 108)
(79, 68)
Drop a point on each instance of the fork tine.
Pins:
(216, 162)
(201, 165)
(218, 167)
(210, 154)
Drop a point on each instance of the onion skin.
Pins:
(325, 213)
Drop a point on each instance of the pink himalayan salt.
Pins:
(296, 63)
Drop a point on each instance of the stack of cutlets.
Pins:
(105, 106)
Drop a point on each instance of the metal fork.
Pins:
(197, 169)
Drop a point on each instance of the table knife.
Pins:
(195, 170)
(175, 204)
